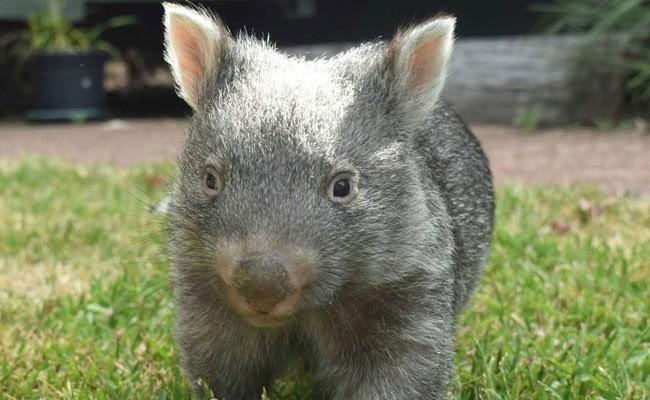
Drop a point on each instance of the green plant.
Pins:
(52, 32)
(529, 118)
(601, 19)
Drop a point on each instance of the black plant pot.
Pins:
(68, 86)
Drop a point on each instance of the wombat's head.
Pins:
(297, 178)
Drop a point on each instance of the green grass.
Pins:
(85, 308)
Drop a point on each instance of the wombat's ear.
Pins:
(194, 43)
(419, 57)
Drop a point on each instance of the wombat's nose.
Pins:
(262, 281)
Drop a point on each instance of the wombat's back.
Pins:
(459, 167)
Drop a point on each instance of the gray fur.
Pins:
(395, 267)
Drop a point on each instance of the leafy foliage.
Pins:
(602, 18)
(50, 31)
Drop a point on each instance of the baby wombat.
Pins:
(331, 210)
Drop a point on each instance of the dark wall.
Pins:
(338, 21)
(369, 19)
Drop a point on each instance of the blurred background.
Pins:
(573, 70)
(507, 67)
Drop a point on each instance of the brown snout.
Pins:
(265, 286)
(262, 282)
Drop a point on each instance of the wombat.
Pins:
(333, 211)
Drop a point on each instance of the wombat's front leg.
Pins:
(234, 360)
(227, 373)
(411, 364)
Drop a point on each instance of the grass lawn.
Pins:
(85, 308)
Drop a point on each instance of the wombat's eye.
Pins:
(211, 182)
(343, 188)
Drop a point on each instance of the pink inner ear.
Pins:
(187, 48)
(425, 66)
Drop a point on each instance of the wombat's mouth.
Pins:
(264, 320)
(262, 314)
